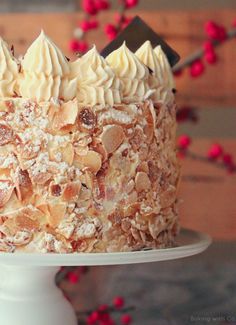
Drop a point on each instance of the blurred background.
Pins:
(174, 292)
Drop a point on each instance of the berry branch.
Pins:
(215, 154)
(216, 36)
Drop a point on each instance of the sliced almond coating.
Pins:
(21, 238)
(142, 182)
(68, 154)
(24, 222)
(66, 115)
(41, 178)
(98, 147)
(57, 211)
(23, 185)
(92, 160)
(6, 189)
(6, 134)
(6, 247)
(71, 191)
(28, 151)
(112, 137)
(168, 197)
(87, 178)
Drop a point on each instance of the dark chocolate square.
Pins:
(135, 34)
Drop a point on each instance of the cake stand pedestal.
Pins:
(29, 296)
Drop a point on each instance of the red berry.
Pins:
(118, 302)
(131, 3)
(222, 35)
(215, 151)
(126, 319)
(85, 25)
(103, 308)
(74, 45)
(73, 277)
(208, 46)
(89, 7)
(101, 4)
(197, 68)
(234, 23)
(210, 57)
(111, 31)
(227, 159)
(93, 317)
(83, 46)
(215, 32)
(184, 141)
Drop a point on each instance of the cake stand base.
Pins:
(29, 296)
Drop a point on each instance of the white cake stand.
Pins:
(29, 296)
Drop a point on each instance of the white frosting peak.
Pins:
(161, 77)
(45, 72)
(97, 82)
(131, 71)
(8, 71)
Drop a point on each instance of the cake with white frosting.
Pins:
(87, 150)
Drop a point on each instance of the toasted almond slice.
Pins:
(68, 154)
(87, 178)
(57, 211)
(168, 197)
(112, 137)
(23, 185)
(98, 147)
(6, 134)
(28, 151)
(43, 207)
(66, 115)
(6, 189)
(81, 150)
(71, 191)
(6, 247)
(92, 160)
(41, 178)
(142, 182)
(24, 222)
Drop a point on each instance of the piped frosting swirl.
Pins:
(161, 78)
(45, 72)
(96, 81)
(8, 71)
(132, 73)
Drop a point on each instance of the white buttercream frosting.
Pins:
(161, 78)
(96, 81)
(132, 73)
(45, 72)
(8, 71)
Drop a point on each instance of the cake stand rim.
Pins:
(191, 242)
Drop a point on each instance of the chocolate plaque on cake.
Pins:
(135, 34)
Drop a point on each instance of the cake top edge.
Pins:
(44, 73)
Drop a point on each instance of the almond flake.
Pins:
(112, 137)
(6, 134)
(142, 182)
(92, 160)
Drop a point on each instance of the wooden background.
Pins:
(183, 30)
(209, 201)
